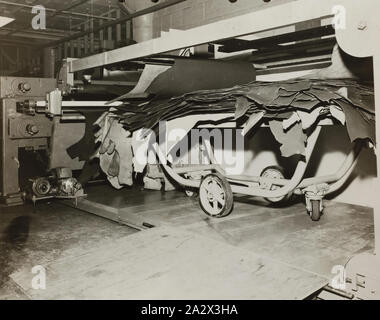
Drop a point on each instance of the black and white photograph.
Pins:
(189, 156)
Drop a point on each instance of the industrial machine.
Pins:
(21, 128)
(28, 126)
(35, 119)
(30, 108)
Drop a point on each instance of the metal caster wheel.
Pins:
(215, 196)
(316, 210)
(274, 172)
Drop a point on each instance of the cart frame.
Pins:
(314, 188)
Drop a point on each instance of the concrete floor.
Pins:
(34, 237)
(286, 237)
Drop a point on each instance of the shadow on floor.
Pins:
(12, 242)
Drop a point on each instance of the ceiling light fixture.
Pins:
(4, 21)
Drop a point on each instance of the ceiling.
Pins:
(62, 18)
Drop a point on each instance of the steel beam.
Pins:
(31, 34)
(263, 20)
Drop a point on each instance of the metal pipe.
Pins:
(342, 180)
(287, 185)
(348, 163)
(137, 14)
(293, 183)
(194, 168)
(290, 186)
(338, 179)
(143, 25)
(257, 180)
(183, 181)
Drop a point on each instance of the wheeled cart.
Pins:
(216, 189)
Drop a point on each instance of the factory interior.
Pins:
(189, 150)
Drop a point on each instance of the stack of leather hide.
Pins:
(289, 107)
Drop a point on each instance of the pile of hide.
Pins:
(117, 150)
(291, 108)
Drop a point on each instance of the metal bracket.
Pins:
(65, 78)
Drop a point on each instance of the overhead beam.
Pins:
(255, 22)
(37, 34)
(137, 14)
(17, 42)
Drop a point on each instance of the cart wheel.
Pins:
(215, 196)
(275, 172)
(315, 210)
(191, 193)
